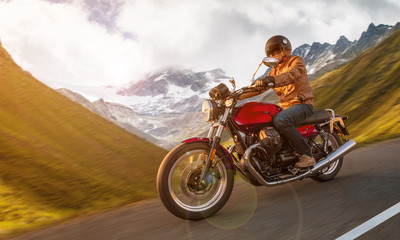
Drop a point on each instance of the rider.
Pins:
(290, 83)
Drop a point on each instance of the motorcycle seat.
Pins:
(317, 117)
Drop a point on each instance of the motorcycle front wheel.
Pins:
(179, 185)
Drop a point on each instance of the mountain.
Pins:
(166, 103)
(164, 107)
(171, 90)
(367, 89)
(59, 160)
(321, 58)
(121, 115)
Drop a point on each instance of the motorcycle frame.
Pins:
(226, 123)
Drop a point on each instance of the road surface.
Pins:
(368, 184)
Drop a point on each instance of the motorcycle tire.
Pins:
(333, 169)
(178, 186)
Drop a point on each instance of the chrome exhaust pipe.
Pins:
(340, 152)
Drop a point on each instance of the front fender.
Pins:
(203, 139)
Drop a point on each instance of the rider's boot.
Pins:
(305, 161)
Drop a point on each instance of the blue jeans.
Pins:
(286, 122)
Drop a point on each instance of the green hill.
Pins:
(58, 159)
(366, 89)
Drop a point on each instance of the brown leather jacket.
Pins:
(291, 82)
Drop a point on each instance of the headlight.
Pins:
(210, 110)
(228, 103)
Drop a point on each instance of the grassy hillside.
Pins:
(58, 159)
(366, 89)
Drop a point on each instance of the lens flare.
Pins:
(299, 211)
(239, 209)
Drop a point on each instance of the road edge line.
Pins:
(373, 222)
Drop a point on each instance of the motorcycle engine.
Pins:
(270, 140)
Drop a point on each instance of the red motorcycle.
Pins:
(195, 179)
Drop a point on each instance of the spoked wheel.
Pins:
(333, 142)
(181, 188)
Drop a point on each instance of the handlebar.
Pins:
(251, 87)
(243, 90)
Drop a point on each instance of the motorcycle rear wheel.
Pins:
(178, 181)
(333, 169)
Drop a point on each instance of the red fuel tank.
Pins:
(253, 116)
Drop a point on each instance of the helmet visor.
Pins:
(272, 50)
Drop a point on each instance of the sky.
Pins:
(87, 43)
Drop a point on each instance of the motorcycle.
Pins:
(195, 179)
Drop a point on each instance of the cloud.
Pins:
(112, 42)
(57, 43)
(232, 34)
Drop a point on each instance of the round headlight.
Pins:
(228, 103)
(210, 110)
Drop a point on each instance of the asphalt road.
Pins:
(368, 184)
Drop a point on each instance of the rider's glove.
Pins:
(265, 82)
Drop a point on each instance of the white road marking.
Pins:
(373, 222)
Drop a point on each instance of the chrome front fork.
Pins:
(219, 125)
(215, 141)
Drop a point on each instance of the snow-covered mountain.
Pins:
(171, 90)
(163, 108)
(121, 115)
(321, 58)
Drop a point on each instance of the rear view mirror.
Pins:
(270, 62)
